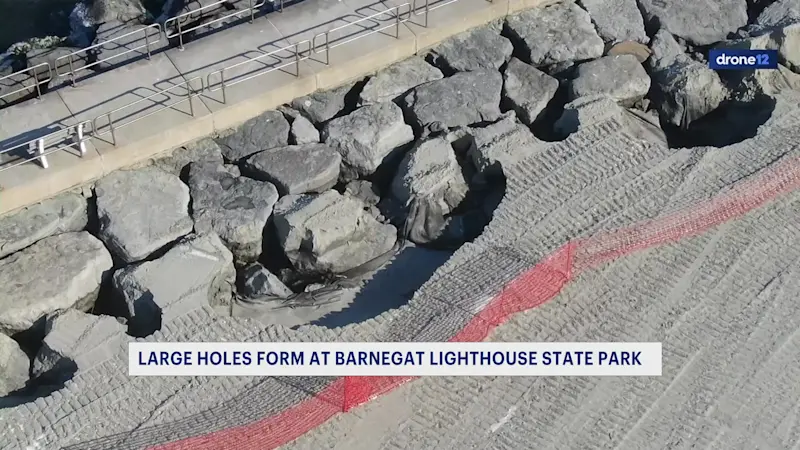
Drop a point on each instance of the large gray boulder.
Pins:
(367, 137)
(322, 106)
(297, 169)
(666, 51)
(430, 170)
(116, 10)
(528, 90)
(268, 130)
(397, 79)
(687, 90)
(330, 232)
(783, 39)
(235, 208)
(616, 20)
(780, 14)
(366, 191)
(555, 34)
(14, 366)
(462, 99)
(197, 272)
(77, 341)
(257, 281)
(204, 150)
(621, 78)
(303, 132)
(61, 214)
(501, 145)
(58, 272)
(141, 211)
(479, 48)
(701, 22)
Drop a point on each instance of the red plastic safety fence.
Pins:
(531, 289)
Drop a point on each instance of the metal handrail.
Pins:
(398, 14)
(112, 126)
(180, 31)
(299, 53)
(39, 144)
(71, 57)
(37, 81)
(296, 58)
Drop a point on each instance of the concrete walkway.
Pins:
(176, 96)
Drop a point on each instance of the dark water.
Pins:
(25, 19)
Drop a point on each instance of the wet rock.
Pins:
(501, 144)
(330, 232)
(480, 48)
(322, 106)
(621, 78)
(14, 366)
(701, 22)
(257, 281)
(430, 170)
(141, 211)
(462, 99)
(61, 214)
(554, 34)
(367, 137)
(528, 90)
(397, 79)
(297, 169)
(205, 150)
(58, 272)
(269, 130)
(235, 208)
(77, 341)
(687, 90)
(587, 111)
(617, 20)
(364, 191)
(196, 272)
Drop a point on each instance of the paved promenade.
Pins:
(157, 104)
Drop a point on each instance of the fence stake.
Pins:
(297, 59)
(40, 151)
(222, 80)
(81, 143)
(252, 12)
(113, 132)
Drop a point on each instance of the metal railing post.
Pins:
(397, 22)
(180, 35)
(252, 12)
(147, 42)
(297, 59)
(40, 151)
(281, 10)
(36, 80)
(71, 71)
(327, 49)
(222, 81)
(427, 10)
(113, 131)
(81, 142)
